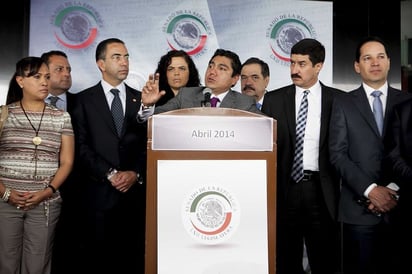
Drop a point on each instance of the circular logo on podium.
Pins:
(211, 214)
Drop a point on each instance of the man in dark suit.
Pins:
(307, 207)
(398, 148)
(221, 75)
(112, 158)
(357, 150)
(67, 241)
(60, 79)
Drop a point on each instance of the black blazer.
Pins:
(100, 148)
(280, 104)
(357, 150)
(398, 146)
(71, 101)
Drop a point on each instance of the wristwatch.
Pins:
(111, 173)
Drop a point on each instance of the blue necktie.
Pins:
(258, 105)
(117, 111)
(297, 168)
(378, 110)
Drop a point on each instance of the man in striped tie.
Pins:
(308, 186)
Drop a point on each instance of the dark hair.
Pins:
(47, 55)
(311, 47)
(26, 67)
(366, 40)
(165, 60)
(235, 61)
(102, 47)
(263, 65)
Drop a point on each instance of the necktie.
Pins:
(53, 100)
(297, 168)
(258, 105)
(378, 110)
(213, 102)
(117, 111)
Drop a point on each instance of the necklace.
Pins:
(36, 139)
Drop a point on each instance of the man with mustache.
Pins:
(254, 79)
(307, 197)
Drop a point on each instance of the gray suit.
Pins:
(191, 97)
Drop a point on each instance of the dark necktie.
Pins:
(117, 111)
(214, 101)
(53, 100)
(378, 110)
(297, 168)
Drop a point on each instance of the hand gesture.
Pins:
(150, 92)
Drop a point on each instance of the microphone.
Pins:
(207, 92)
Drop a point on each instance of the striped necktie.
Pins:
(297, 168)
(53, 100)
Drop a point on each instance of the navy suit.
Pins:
(67, 241)
(293, 226)
(116, 220)
(398, 146)
(357, 150)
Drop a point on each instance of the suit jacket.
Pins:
(100, 148)
(399, 149)
(357, 150)
(280, 104)
(190, 97)
(71, 101)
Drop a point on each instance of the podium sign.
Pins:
(212, 133)
(211, 204)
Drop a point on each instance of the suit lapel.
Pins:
(228, 101)
(289, 102)
(326, 106)
(132, 106)
(361, 102)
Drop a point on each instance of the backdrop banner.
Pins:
(266, 29)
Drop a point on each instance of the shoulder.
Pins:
(89, 90)
(280, 91)
(191, 89)
(330, 89)
(396, 96)
(130, 89)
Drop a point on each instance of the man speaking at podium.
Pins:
(222, 74)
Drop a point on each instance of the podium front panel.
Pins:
(212, 217)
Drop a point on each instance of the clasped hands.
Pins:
(123, 180)
(27, 200)
(150, 92)
(382, 199)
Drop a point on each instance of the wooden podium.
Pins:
(211, 192)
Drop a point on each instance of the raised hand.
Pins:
(150, 92)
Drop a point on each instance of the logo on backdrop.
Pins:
(284, 31)
(211, 214)
(76, 25)
(187, 30)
